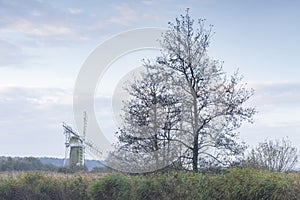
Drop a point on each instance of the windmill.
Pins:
(76, 145)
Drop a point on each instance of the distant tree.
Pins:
(103, 169)
(277, 155)
(24, 164)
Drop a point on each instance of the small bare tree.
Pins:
(277, 155)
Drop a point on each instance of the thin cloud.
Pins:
(31, 29)
(125, 15)
(32, 10)
(148, 2)
(37, 96)
(31, 119)
(277, 94)
(75, 11)
(11, 54)
(278, 104)
(38, 20)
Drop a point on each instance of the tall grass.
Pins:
(233, 184)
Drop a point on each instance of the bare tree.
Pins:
(277, 155)
(212, 104)
(206, 106)
(151, 116)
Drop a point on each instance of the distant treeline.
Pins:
(24, 164)
(46, 164)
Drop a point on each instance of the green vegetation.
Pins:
(24, 164)
(113, 187)
(233, 184)
(8, 164)
(41, 185)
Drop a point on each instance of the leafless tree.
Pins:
(207, 107)
(212, 104)
(151, 116)
(274, 155)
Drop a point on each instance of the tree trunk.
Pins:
(156, 148)
(195, 153)
(196, 133)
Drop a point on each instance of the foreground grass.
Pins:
(233, 184)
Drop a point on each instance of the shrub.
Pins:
(50, 188)
(112, 187)
(278, 155)
(256, 184)
(76, 187)
(147, 189)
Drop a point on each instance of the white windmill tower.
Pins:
(76, 145)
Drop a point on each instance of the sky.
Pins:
(43, 45)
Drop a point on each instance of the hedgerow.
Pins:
(229, 185)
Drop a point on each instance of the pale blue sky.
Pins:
(44, 43)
